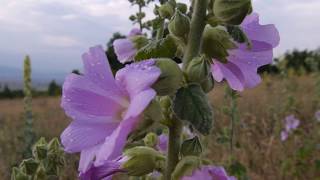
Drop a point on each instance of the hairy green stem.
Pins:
(198, 23)
(193, 48)
(175, 131)
(139, 19)
(160, 30)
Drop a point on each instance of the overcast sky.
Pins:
(56, 32)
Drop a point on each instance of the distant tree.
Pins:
(54, 89)
(76, 71)
(112, 57)
(7, 93)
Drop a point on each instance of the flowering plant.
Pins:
(150, 118)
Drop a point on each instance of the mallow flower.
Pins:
(209, 173)
(126, 48)
(104, 108)
(243, 62)
(290, 123)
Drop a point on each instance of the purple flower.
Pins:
(162, 145)
(134, 32)
(317, 115)
(241, 69)
(290, 123)
(284, 135)
(103, 172)
(209, 173)
(125, 48)
(104, 109)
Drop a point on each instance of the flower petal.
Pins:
(114, 144)
(83, 100)
(79, 136)
(103, 172)
(134, 32)
(229, 72)
(249, 72)
(97, 68)
(139, 102)
(124, 49)
(137, 77)
(264, 33)
(86, 158)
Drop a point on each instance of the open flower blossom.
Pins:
(291, 123)
(125, 48)
(104, 108)
(243, 62)
(209, 173)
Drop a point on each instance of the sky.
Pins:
(56, 32)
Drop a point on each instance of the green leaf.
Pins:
(191, 104)
(232, 11)
(191, 147)
(165, 48)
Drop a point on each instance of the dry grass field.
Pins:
(257, 134)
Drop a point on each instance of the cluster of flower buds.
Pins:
(46, 163)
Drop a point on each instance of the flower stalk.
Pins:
(192, 50)
(197, 27)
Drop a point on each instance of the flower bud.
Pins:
(216, 42)
(151, 139)
(198, 70)
(142, 161)
(191, 147)
(30, 166)
(139, 41)
(208, 84)
(232, 11)
(40, 174)
(18, 174)
(40, 149)
(170, 79)
(166, 10)
(179, 25)
(186, 166)
(182, 7)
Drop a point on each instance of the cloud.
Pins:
(60, 41)
(57, 32)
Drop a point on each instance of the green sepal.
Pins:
(216, 42)
(232, 11)
(142, 160)
(186, 166)
(179, 25)
(18, 174)
(171, 77)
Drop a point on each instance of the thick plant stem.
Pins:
(193, 47)
(197, 26)
(175, 131)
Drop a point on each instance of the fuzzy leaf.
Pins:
(191, 104)
(165, 48)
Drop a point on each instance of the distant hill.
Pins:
(13, 77)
